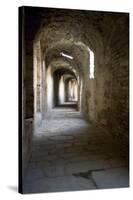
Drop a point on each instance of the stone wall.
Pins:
(26, 143)
(28, 79)
(28, 102)
(27, 94)
(108, 94)
(120, 79)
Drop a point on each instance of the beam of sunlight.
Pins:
(65, 55)
(92, 66)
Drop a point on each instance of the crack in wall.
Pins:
(88, 175)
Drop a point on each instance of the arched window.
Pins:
(91, 66)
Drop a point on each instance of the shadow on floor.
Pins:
(68, 105)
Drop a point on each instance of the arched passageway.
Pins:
(65, 87)
(76, 102)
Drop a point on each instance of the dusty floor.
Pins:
(68, 154)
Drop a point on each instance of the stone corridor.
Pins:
(75, 100)
(69, 154)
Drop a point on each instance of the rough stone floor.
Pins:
(68, 154)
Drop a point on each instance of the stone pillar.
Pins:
(61, 91)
